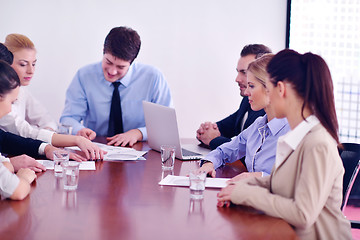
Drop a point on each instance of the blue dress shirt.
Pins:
(257, 143)
(88, 98)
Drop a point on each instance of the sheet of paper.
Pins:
(171, 180)
(118, 153)
(90, 165)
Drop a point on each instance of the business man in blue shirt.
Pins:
(89, 97)
(215, 134)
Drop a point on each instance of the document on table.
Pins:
(121, 153)
(118, 153)
(171, 180)
(90, 165)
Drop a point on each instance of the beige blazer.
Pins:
(305, 190)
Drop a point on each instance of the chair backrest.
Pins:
(350, 155)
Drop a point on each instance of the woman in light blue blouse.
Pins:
(258, 142)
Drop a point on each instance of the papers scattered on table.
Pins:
(121, 153)
(118, 153)
(172, 180)
(83, 165)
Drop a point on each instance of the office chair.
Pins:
(350, 155)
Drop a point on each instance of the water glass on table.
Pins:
(70, 175)
(167, 157)
(64, 129)
(59, 157)
(197, 184)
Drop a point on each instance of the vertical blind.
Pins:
(331, 28)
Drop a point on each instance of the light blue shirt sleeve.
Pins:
(257, 143)
(230, 151)
(75, 105)
(88, 98)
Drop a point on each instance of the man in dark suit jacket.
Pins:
(215, 134)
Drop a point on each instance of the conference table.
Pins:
(123, 200)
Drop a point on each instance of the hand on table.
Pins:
(49, 152)
(26, 177)
(27, 174)
(207, 132)
(208, 167)
(24, 161)
(224, 196)
(129, 138)
(87, 133)
(90, 149)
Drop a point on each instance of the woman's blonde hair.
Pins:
(15, 42)
(258, 68)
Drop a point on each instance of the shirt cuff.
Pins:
(42, 148)
(203, 161)
(45, 135)
(144, 133)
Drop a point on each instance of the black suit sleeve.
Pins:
(15, 145)
(231, 125)
(218, 141)
(227, 125)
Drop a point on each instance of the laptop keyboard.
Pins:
(189, 153)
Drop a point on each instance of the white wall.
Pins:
(196, 44)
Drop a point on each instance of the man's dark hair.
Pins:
(255, 49)
(123, 43)
(5, 54)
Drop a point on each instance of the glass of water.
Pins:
(64, 129)
(59, 157)
(70, 175)
(197, 184)
(167, 157)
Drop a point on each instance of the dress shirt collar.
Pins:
(294, 137)
(125, 81)
(290, 141)
(275, 125)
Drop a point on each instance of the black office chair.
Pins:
(350, 155)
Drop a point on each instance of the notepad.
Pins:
(171, 180)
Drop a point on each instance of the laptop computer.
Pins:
(162, 128)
